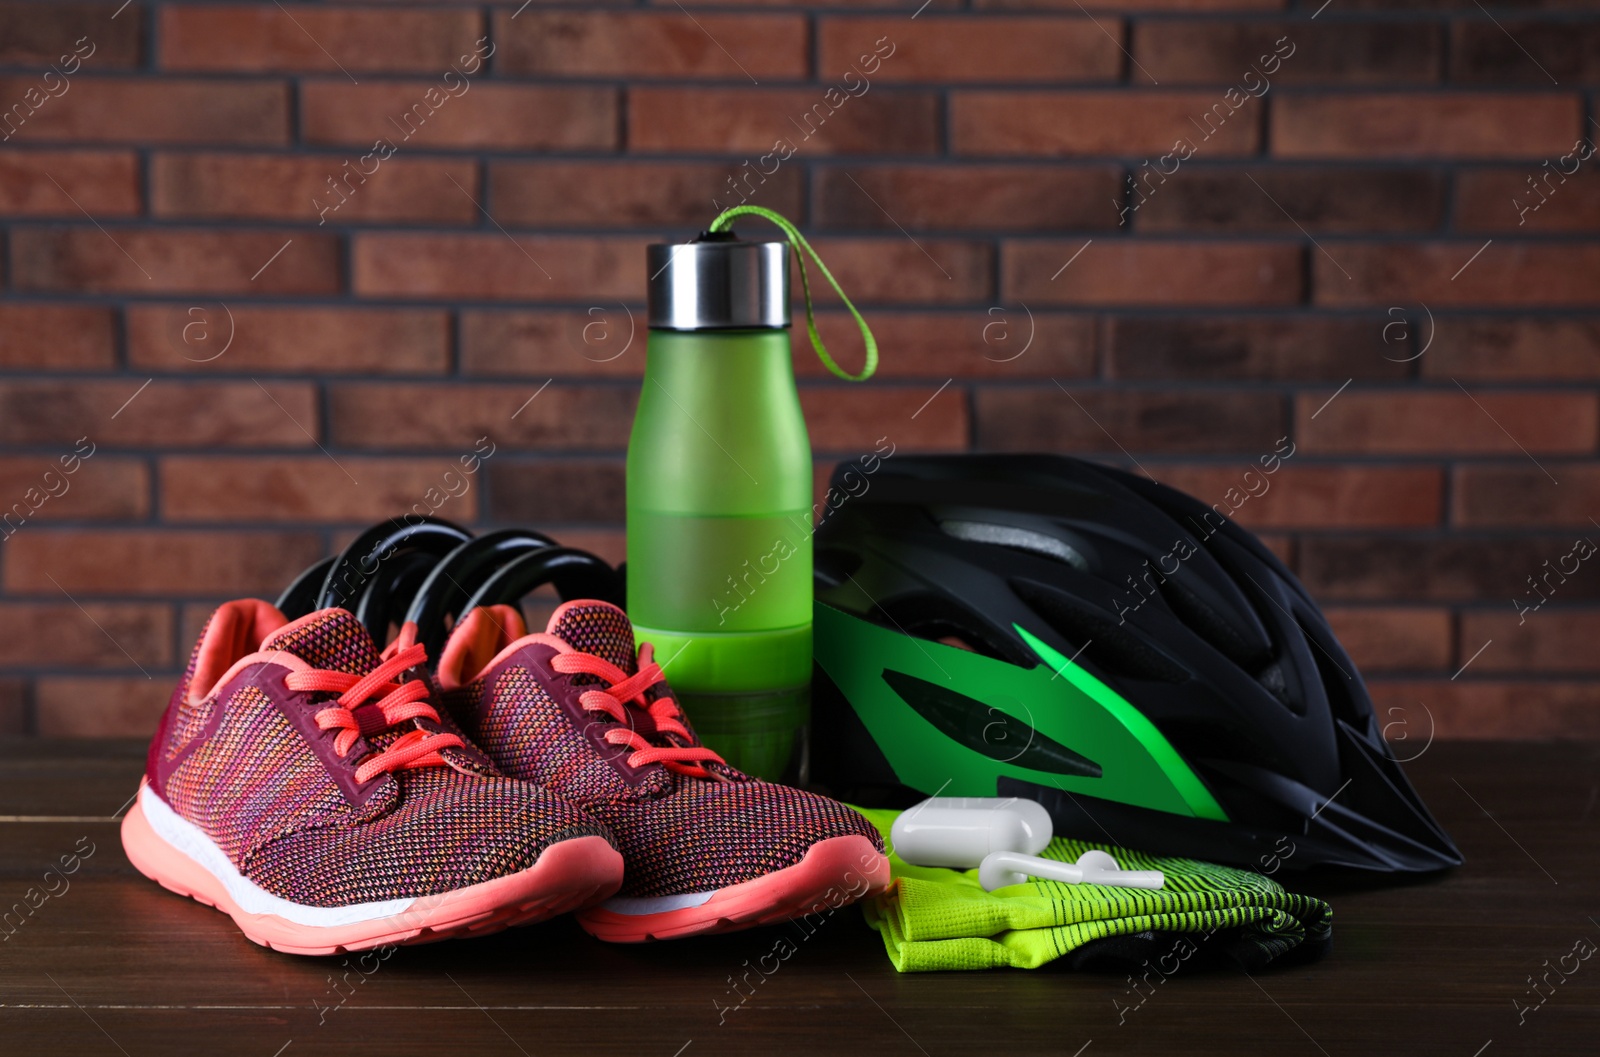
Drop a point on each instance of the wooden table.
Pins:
(111, 963)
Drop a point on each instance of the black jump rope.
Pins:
(429, 572)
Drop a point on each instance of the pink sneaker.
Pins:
(707, 848)
(309, 790)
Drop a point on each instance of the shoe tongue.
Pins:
(333, 640)
(599, 628)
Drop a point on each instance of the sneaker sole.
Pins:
(833, 873)
(176, 854)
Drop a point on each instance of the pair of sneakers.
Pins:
(329, 798)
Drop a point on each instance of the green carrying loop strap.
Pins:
(798, 241)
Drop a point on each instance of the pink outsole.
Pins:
(832, 873)
(568, 876)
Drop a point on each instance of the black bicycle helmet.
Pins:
(1040, 626)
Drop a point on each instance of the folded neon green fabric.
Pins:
(933, 918)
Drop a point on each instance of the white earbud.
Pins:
(1002, 837)
(1094, 867)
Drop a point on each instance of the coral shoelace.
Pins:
(625, 689)
(400, 702)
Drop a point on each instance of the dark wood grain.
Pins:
(114, 963)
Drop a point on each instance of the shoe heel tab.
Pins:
(480, 636)
(235, 630)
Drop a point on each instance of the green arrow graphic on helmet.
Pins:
(952, 720)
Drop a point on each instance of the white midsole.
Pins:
(656, 904)
(189, 839)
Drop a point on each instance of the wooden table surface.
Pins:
(110, 963)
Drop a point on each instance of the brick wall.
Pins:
(1229, 221)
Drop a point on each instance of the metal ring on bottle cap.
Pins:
(718, 284)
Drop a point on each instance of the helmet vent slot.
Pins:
(1339, 679)
(833, 566)
(1110, 645)
(1272, 678)
(1210, 625)
(1019, 539)
(937, 618)
(988, 730)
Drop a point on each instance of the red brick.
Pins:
(1452, 421)
(1081, 421)
(1296, 348)
(1444, 274)
(14, 710)
(1393, 638)
(590, 194)
(959, 49)
(650, 44)
(254, 38)
(1457, 125)
(1546, 640)
(965, 198)
(604, 543)
(1213, 51)
(41, 35)
(550, 490)
(991, 343)
(448, 419)
(1469, 6)
(168, 260)
(1122, 272)
(607, 341)
(1063, 124)
(1503, 349)
(167, 413)
(850, 420)
(765, 123)
(192, 618)
(101, 183)
(498, 266)
(1523, 51)
(1288, 201)
(1315, 496)
(101, 707)
(554, 268)
(1530, 198)
(1415, 569)
(484, 117)
(148, 112)
(1499, 709)
(313, 488)
(326, 189)
(899, 271)
(199, 336)
(100, 635)
(1134, 5)
(1520, 494)
(58, 337)
(226, 564)
(102, 487)
(996, 343)
(935, 5)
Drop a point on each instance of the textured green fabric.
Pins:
(933, 918)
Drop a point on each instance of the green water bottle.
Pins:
(719, 496)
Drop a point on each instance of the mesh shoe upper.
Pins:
(247, 764)
(678, 833)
